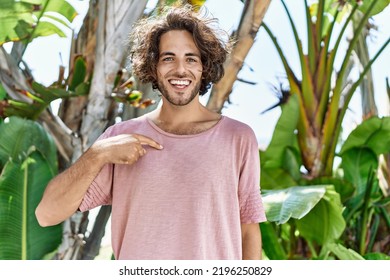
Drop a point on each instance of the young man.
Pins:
(183, 181)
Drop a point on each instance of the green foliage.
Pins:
(374, 134)
(42, 96)
(281, 163)
(271, 242)
(326, 216)
(343, 253)
(293, 202)
(28, 19)
(27, 161)
(344, 221)
(325, 223)
(360, 160)
(323, 103)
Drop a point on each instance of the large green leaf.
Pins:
(21, 187)
(284, 135)
(45, 28)
(19, 135)
(294, 202)
(379, 6)
(29, 19)
(324, 223)
(373, 133)
(276, 178)
(63, 8)
(343, 253)
(271, 242)
(27, 161)
(357, 164)
(376, 256)
(16, 20)
(343, 187)
(281, 161)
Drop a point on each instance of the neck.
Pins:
(192, 112)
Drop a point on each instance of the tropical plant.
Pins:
(322, 104)
(28, 161)
(304, 147)
(100, 87)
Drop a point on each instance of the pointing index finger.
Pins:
(144, 140)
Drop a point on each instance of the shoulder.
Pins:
(237, 127)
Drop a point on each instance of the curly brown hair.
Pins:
(145, 39)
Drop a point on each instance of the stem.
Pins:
(310, 38)
(374, 230)
(312, 249)
(364, 226)
(351, 91)
(292, 250)
(29, 38)
(320, 22)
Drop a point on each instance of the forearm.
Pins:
(64, 193)
(251, 242)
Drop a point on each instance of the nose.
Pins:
(181, 66)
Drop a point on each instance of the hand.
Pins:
(124, 148)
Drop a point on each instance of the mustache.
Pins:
(181, 75)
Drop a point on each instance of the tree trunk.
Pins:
(112, 20)
(251, 19)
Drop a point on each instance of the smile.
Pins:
(180, 83)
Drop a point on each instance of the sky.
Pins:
(262, 66)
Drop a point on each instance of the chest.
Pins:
(182, 171)
(187, 128)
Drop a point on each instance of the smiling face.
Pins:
(179, 68)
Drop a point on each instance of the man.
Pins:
(183, 181)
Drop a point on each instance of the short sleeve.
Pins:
(100, 191)
(251, 204)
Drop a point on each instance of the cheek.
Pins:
(198, 71)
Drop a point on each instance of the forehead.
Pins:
(178, 41)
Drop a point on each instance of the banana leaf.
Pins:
(271, 242)
(376, 256)
(18, 135)
(324, 223)
(281, 161)
(357, 164)
(27, 20)
(21, 188)
(27, 162)
(344, 253)
(293, 202)
(373, 133)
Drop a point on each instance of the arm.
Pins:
(251, 242)
(65, 192)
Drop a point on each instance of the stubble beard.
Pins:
(179, 102)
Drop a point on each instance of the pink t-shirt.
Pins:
(186, 201)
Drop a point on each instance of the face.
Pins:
(179, 69)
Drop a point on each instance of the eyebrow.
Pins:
(173, 54)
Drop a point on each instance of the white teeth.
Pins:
(180, 82)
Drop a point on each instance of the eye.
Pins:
(191, 59)
(168, 58)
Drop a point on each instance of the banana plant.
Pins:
(367, 211)
(302, 152)
(322, 103)
(344, 216)
(25, 20)
(22, 21)
(40, 96)
(28, 161)
(298, 209)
